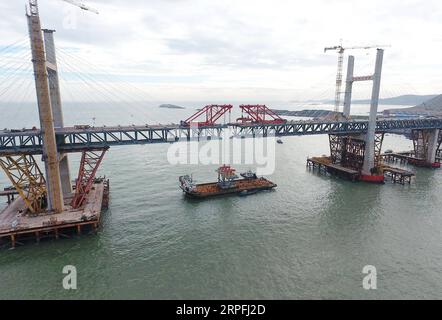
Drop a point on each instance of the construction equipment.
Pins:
(81, 6)
(90, 161)
(259, 114)
(228, 184)
(211, 112)
(340, 50)
(27, 179)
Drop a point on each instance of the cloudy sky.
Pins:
(239, 50)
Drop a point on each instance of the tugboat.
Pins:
(228, 183)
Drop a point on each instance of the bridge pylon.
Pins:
(357, 156)
(50, 154)
(57, 111)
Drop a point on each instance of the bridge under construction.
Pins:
(50, 203)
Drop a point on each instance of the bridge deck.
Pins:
(72, 139)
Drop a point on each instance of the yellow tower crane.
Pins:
(340, 50)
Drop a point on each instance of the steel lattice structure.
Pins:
(211, 113)
(347, 151)
(420, 143)
(77, 140)
(27, 179)
(378, 141)
(90, 161)
(259, 114)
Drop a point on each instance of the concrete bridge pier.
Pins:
(348, 86)
(57, 111)
(433, 145)
(369, 170)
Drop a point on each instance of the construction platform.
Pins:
(397, 175)
(409, 157)
(18, 226)
(324, 165)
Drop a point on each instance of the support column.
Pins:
(57, 111)
(349, 86)
(433, 145)
(50, 155)
(369, 162)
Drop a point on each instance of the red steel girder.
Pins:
(259, 113)
(90, 161)
(211, 112)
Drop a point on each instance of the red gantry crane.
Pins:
(211, 113)
(259, 114)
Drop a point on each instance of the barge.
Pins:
(228, 183)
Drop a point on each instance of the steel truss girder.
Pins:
(75, 140)
(27, 179)
(90, 161)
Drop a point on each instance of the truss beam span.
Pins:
(27, 179)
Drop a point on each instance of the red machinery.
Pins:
(90, 161)
(212, 113)
(260, 114)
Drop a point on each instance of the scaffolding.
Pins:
(90, 161)
(347, 151)
(27, 179)
(420, 143)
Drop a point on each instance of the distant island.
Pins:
(404, 100)
(431, 107)
(428, 107)
(170, 106)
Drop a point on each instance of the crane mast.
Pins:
(340, 50)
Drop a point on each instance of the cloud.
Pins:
(275, 47)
